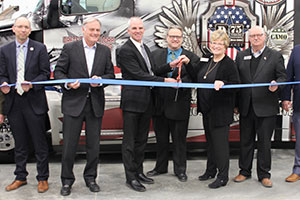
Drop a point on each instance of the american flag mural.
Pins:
(235, 22)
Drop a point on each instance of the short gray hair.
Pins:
(133, 18)
(22, 17)
(91, 19)
(174, 27)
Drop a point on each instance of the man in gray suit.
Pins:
(83, 102)
(258, 106)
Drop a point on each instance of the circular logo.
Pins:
(278, 36)
(269, 2)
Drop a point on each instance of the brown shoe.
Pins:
(292, 178)
(15, 185)
(240, 178)
(43, 186)
(266, 182)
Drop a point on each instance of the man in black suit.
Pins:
(24, 61)
(83, 102)
(173, 109)
(258, 106)
(136, 63)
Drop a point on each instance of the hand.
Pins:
(5, 89)
(170, 80)
(96, 84)
(218, 85)
(1, 118)
(273, 88)
(286, 105)
(26, 86)
(184, 59)
(74, 85)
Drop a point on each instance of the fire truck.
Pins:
(56, 22)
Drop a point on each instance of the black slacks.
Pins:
(262, 127)
(217, 148)
(25, 125)
(136, 129)
(178, 129)
(71, 133)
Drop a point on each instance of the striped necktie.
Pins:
(146, 58)
(172, 58)
(20, 70)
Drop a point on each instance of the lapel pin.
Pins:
(265, 58)
(31, 49)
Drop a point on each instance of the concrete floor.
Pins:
(112, 182)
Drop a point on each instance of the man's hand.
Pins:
(286, 105)
(170, 80)
(183, 58)
(26, 86)
(5, 89)
(96, 84)
(74, 85)
(273, 88)
(218, 84)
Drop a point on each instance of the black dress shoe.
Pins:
(144, 179)
(136, 185)
(65, 190)
(182, 177)
(155, 173)
(93, 186)
(206, 176)
(217, 183)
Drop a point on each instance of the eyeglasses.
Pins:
(256, 35)
(175, 36)
(216, 43)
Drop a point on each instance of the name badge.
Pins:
(247, 57)
(204, 59)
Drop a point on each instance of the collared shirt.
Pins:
(89, 55)
(25, 49)
(137, 45)
(176, 52)
(257, 54)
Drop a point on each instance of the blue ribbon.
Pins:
(155, 84)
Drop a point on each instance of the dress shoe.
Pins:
(144, 179)
(292, 178)
(217, 183)
(43, 186)
(266, 182)
(65, 190)
(15, 185)
(136, 185)
(154, 173)
(240, 178)
(182, 177)
(93, 186)
(205, 177)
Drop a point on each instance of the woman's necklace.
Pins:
(210, 68)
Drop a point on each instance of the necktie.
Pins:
(146, 58)
(172, 58)
(20, 70)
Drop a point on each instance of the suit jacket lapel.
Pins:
(247, 63)
(30, 51)
(80, 51)
(13, 55)
(140, 57)
(262, 62)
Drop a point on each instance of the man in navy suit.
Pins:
(83, 102)
(293, 74)
(24, 61)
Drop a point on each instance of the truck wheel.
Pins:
(7, 143)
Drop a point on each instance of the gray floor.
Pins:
(112, 182)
